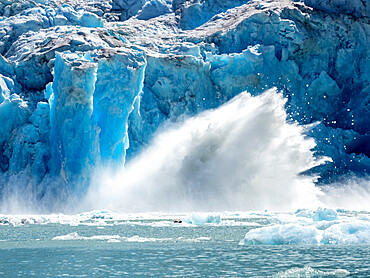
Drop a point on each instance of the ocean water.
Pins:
(114, 244)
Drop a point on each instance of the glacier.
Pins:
(86, 85)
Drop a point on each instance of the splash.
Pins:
(352, 193)
(242, 156)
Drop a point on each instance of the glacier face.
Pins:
(88, 83)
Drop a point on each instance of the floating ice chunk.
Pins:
(325, 214)
(76, 236)
(71, 236)
(145, 239)
(347, 233)
(319, 215)
(113, 240)
(281, 235)
(4, 220)
(136, 239)
(203, 238)
(201, 219)
(328, 230)
(310, 272)
(103, 237)
(98, 214)
(304, 213)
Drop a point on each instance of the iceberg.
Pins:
(324, 228)
(347, 233)
(325, 214)
(321, 214)
(282, 235)
(201, 219)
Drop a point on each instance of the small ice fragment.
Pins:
(325, 214)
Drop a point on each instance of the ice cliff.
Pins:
(88, 83)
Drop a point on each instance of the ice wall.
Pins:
(73, 138)
(119, 83)
(91, 97)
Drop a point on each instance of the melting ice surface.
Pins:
(243, 155)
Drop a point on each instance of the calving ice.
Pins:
(239, 156)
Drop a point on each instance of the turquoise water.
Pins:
(105, 244)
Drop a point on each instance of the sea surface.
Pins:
(114, 244)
